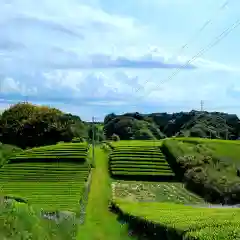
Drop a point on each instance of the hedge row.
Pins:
(174, 221)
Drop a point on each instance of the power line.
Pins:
(209, 46)
(204, 50)
(208, 22)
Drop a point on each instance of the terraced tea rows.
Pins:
(73, 152)
(179, 221)
(138, 162)
(50, 177)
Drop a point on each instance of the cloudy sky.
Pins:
(93, 57)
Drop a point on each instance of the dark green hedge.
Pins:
(145, 229)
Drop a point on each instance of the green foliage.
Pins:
(78, 140)
(100, 223)
(203, 168)
(26, 125)
(158, 125)
(22, 221)
(131, 127)
(98, 132)
(176, 221)
(115, 137)
(138, 161)
(6, 151)
(151, 191)
(50, 183)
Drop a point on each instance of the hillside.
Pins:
(208, 167)
(159, 125)
(152, 188)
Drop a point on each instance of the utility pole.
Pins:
(93, 141)
(202, 103)
(226, 129)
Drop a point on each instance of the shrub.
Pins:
(202, 171)
(115, 137)
(175, 221)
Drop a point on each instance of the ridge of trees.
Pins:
(27, 125)
(185, 124)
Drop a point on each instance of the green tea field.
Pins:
(51, 178)
(176, 221)
(118, 208)
(139, 161)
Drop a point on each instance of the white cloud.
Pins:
(72, 50)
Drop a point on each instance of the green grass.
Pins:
(22, 221)
(228, 151)
(151, 191)
(189, 222)
(100, 223)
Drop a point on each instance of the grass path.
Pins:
(100, 223)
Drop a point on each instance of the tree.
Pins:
(28, 125)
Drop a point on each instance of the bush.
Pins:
(78, 140)
(6, 151)
(156, 220)
(115, 137)
(203, 174)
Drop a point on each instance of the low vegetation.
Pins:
(176, 221)
(138, 161)
(100, 223)
(6, 151)
(152, 178)
(154, 192)
(22, 221)
(206, 167)
(50, 177)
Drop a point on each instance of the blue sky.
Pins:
(94, 57)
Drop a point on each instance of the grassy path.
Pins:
(100, 223)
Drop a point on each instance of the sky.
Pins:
(94, 57)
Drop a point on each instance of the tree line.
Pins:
(27, 125)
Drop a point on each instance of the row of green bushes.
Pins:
(71, 152)
(131, 163)
(49, 188)
(48, 166)
(202, 172)
(175, 221)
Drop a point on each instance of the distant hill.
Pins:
(160, 125)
